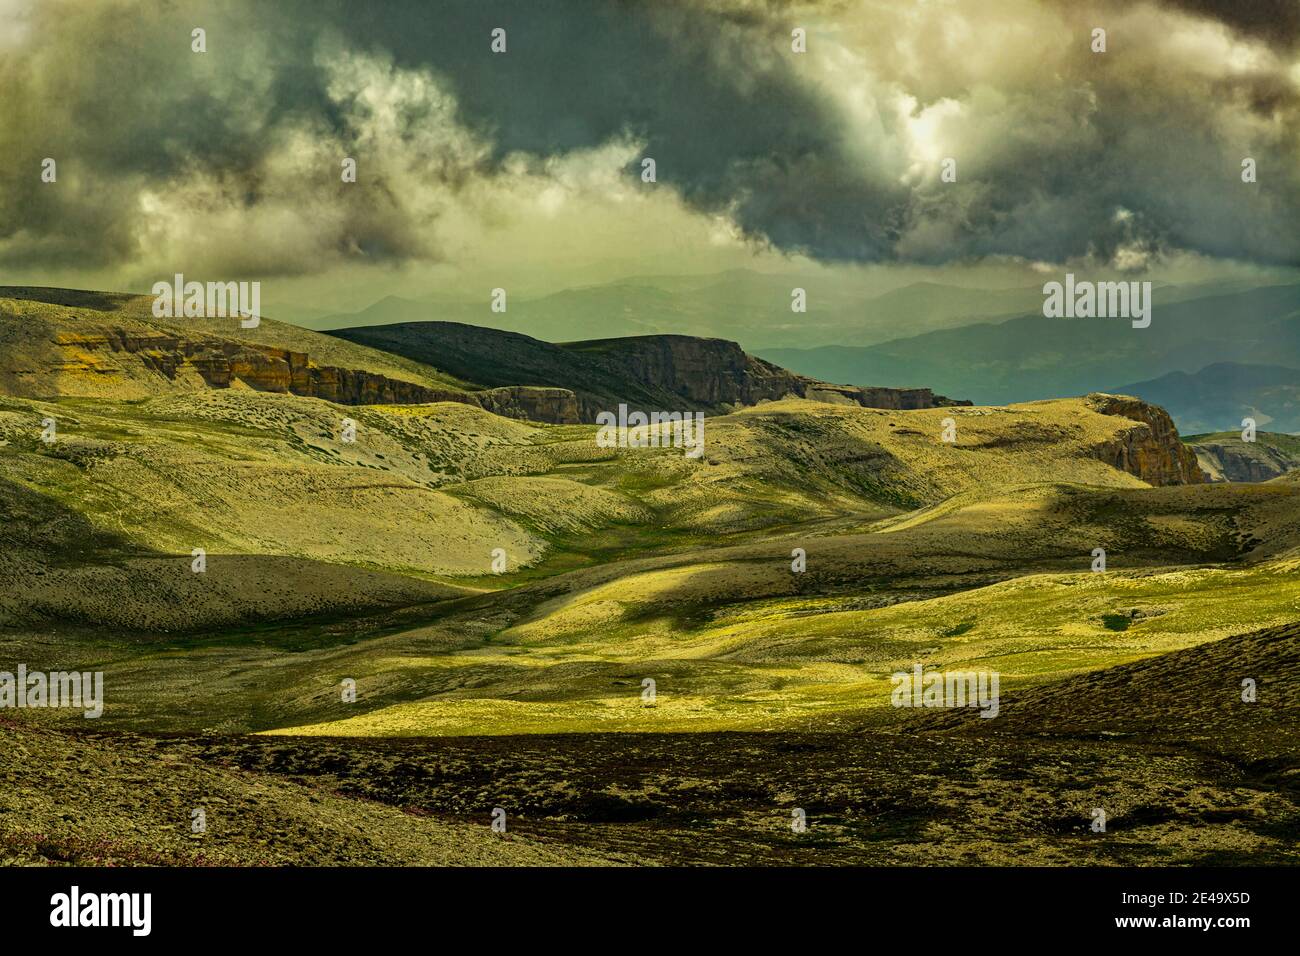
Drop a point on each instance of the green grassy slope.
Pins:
(1189, 697)
(62, 342)
(372, 559)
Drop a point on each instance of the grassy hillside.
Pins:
(56, 342)
(773, 584)
(734, 639)
(1191, 697)
(493, 358)
(433, 489)
(656, 566)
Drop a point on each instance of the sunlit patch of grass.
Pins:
(779, 669)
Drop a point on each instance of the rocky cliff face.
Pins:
(221, 363)
(1152, 449)
(704, 371)
(869, 396)
(567, 384)
(1236, 460)
(648, 373)
(557, 406)
(718, 373)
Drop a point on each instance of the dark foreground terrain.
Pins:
(1184, 771)
(877, 799)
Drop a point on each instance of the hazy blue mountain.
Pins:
(1219, 396)
(1031, 356)
(748, 307)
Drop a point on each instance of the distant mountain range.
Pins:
(1220, 396)
(751, 308)
(1031, 357)
(1215, 353)
(748, 307)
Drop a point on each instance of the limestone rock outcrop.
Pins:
(1152, 450)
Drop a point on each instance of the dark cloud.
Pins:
(1274, 21)
(1091, 157)
(727, 121)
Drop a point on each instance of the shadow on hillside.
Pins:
(40, 527)
(72, 298)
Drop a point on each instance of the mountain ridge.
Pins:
(668, 372)
(67, 342)
(1220, 395)
(1028, 356)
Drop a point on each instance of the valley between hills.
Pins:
(329, 560)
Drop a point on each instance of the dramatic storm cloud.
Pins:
(1275, 21)
(228, 161)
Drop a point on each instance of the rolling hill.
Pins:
(102, 345)
(648, 373)
(489, 582)
(1190, 697)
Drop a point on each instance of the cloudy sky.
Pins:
(522, 169)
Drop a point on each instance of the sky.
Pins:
(522, 169)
